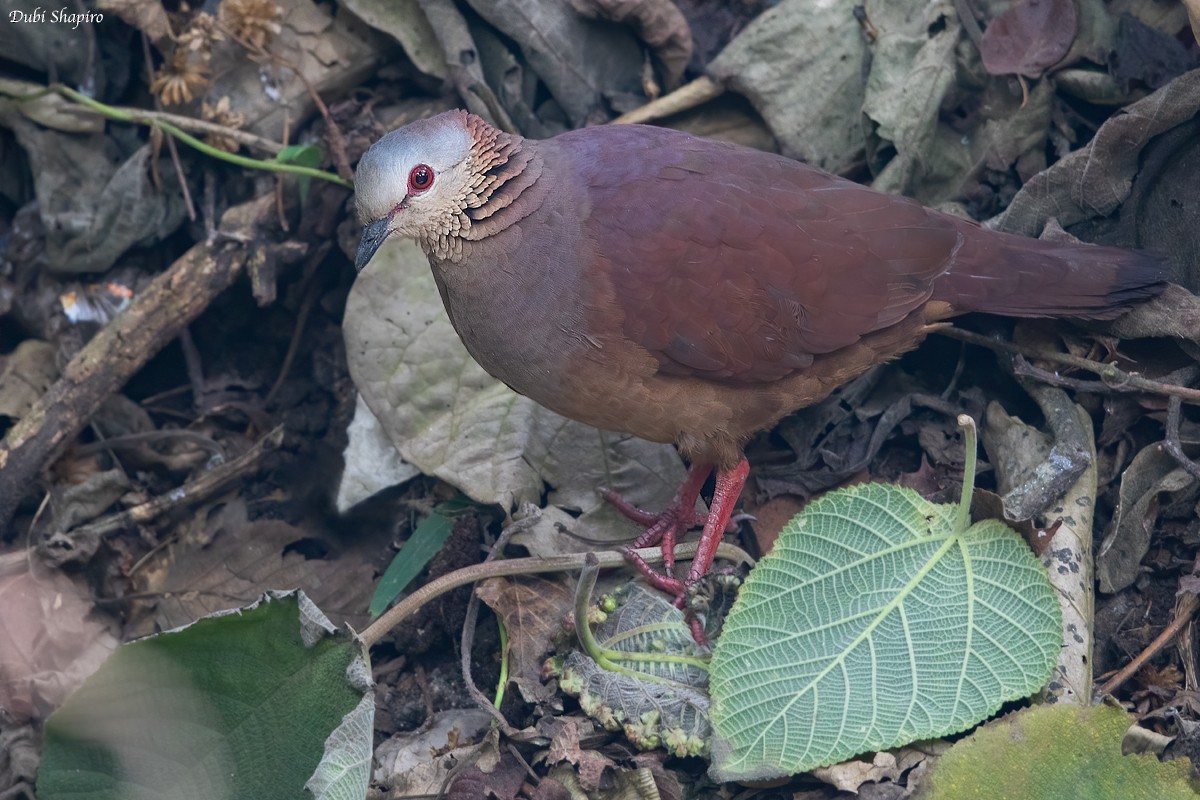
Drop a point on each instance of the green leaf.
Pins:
(423, 545)
(1059, 752)
(251, 704)
(873, 624)
(301, 155)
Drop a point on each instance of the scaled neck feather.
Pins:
(501, 168)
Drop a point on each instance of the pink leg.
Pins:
(680, 515)
(725, 497)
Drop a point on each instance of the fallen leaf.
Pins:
(1029, 37)
(534, 610)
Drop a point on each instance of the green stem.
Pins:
(503, 682)
(963, 520)
(120, 115)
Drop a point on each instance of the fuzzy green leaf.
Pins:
(1059, 752)
(872, 624)
(258, 703)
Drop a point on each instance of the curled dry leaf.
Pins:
(659, 23)
(1029, 38)
(534, 610)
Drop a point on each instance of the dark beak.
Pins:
(372, 237)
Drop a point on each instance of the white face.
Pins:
(417, 176)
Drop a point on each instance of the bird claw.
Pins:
(674, 515)
(666, 527)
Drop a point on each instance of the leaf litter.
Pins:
(1100, 142)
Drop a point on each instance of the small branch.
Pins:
(311, 291)
(154, 317)
(1114, 377)
(63, 547)
(183, 184)
(137, 439)
(1185, 609)
(157, 118)
(684, 98)
(467, 641)
(1024, 369)
(522, 566)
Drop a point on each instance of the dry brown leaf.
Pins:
(49, 642)
(533, 609)
(226, 563)
(1193, 10)
(658, 23)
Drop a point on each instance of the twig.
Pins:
(62, 547)
(194, 366)
(1184, 611)
(156, 118)
(1171, 441)
(135, 439)
(337, 142)
(970, 23)
(1023, 368)
(684, 98)
(120, 349)
(182, 178)
(467, 643)
(522, 566)
(1116, 378)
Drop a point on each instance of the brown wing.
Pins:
(738, 265)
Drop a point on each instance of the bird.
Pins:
(643, 280)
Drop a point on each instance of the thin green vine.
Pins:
(123, 115)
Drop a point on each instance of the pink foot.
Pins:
(676, 519)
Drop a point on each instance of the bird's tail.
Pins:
(1021, 277)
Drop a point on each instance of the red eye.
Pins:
(420, 179)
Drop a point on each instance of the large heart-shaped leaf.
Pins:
(876, 621)
(449, 418)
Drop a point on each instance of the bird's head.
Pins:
(414, 181)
